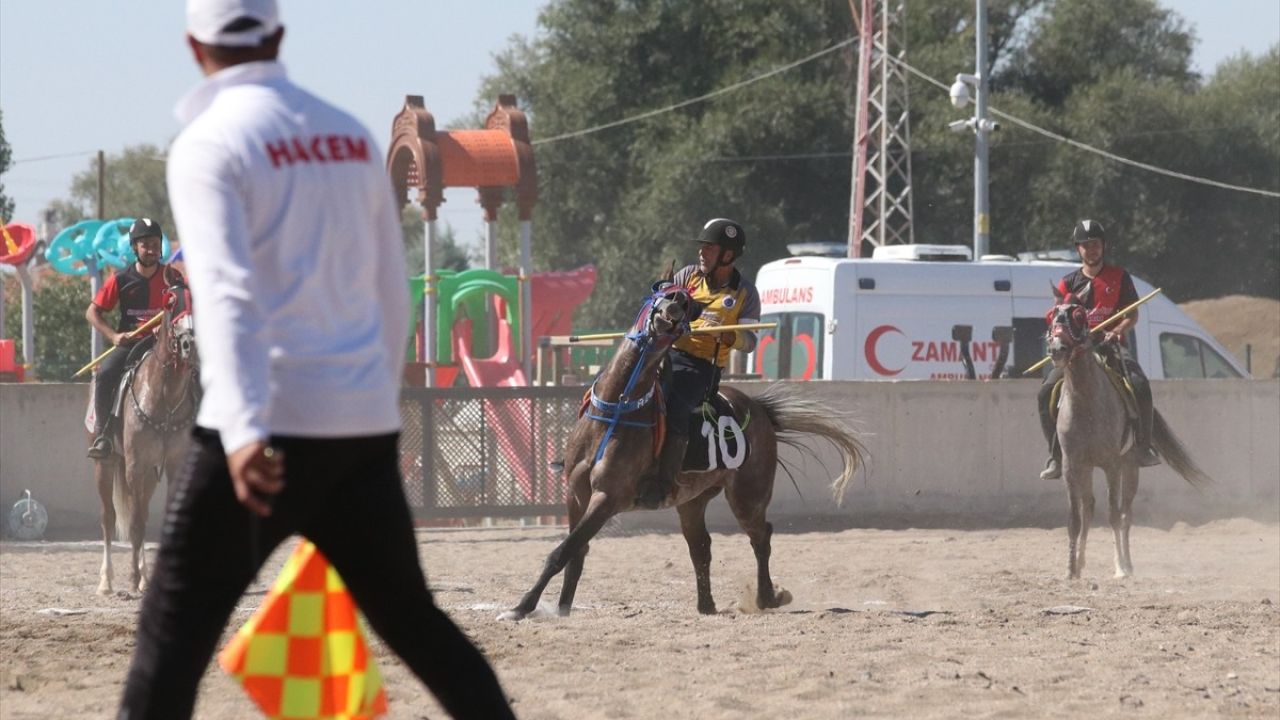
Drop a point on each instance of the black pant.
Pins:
(1122, 362)
(345, 496)
(692, 379)
(107, 381)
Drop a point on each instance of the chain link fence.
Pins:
(485, 452)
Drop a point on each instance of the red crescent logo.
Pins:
(869, 349)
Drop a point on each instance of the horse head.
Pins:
(665, 316)
(1068, 334)
(179, 334)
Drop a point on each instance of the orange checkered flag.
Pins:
(303, 654)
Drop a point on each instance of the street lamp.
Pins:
(981, 126)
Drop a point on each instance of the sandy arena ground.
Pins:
(885, 623)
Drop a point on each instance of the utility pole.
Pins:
(982, 127)
(880, 206)
(95, 277)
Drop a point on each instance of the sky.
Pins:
(81, 75)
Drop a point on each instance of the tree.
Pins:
(451, 256)
(134, 187)
(62, 334)
(6, 162)
(632, 198)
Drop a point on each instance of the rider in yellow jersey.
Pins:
(727, 298)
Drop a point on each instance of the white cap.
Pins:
(232, 23)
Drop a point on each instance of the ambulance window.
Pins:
(1028, 345)
(801, 335)
(1184, 356)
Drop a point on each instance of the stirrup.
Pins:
(101, 447)
(1052, 469)
(1147, 457)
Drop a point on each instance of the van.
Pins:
(892, 316)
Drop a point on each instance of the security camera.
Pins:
(960, 93)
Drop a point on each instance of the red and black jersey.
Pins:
(139, 297)
(1104, 294)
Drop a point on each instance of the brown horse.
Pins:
(1092, 431)
(612, 448)
(157, 411)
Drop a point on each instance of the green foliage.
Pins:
(61, 332)
(1112, 73)
(451, 256)
(6, 162)
(134, 186)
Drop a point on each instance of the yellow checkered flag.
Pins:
(303, 654)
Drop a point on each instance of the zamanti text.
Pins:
(318, 149)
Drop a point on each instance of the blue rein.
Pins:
(612, 412)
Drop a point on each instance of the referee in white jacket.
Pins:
(293, 248)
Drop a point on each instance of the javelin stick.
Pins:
(155, 320)
(1101, 326)
(696, 331)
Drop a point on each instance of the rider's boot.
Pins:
(101, 446)
(1053, 468)
(1048, 425)
(1142, 450)
(653, 493)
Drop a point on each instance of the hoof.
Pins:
(514, 615)
(564, 610)
(707, 609)
(784, 598)
(104, 589)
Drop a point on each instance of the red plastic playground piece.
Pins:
(17, 242)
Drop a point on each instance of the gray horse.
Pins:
(1092, 429)
(156, 415)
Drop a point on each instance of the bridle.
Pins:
(652, 332)
(1068, 330)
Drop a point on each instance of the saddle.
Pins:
(720, 442)
(1118, 381)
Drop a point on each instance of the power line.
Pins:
(1089, 148)
(700, 98)
(922, 75)
(42, 158)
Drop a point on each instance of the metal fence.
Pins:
(485, 452)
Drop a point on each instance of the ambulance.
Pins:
(898, 314)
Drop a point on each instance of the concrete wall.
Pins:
(941, 453)
(971, 453)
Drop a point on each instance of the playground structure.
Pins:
(17, 245)
(481, 323)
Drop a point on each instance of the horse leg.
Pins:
(1081, 483)
(1128, 489)
(748, 506)
(599, 509)
(104, 474)
(1115, 478)
(693, 522)
(150, 480)
(573, 570)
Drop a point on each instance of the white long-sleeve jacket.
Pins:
(293, 248)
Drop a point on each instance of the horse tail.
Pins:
(1175, 453)
(122, 498)
(794, 417)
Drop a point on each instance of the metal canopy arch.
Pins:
(491, 159)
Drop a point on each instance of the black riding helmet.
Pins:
(1087, 230)
(144, 228)
(725, 233)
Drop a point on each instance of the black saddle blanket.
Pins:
(717, 438)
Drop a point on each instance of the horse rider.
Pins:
(1104, 289)
(727, 298)
(139, 291)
